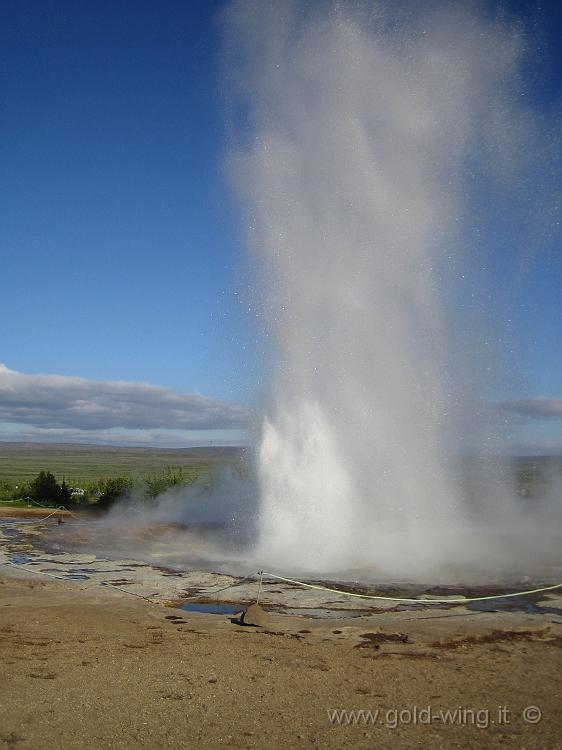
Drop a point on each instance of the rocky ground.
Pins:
(86, 665)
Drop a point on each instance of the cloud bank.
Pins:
(62, 408)
(538, 407)
(68, 407)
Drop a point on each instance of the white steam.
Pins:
(360, 131)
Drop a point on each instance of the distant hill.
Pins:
(540, 463)
(76, 463)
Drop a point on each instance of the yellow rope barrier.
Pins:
(419, 600)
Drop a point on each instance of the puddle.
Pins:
(20, 558)
(314, 613)
(213, 609)
(526, 605)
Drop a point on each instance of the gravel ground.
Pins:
(92, 668)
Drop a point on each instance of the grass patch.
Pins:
(79, 464)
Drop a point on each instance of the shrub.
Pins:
(111, 489)
(45, 488)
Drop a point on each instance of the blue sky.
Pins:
(122, 253)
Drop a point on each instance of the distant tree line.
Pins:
(101, 493)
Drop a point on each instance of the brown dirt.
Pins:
(33, 512)
(499, 636)
(89, 669)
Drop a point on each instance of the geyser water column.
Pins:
(356, 126)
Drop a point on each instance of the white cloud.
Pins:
(538, 407)
(68, 407)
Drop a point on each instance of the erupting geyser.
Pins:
(362, 127)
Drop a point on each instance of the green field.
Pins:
(83, 463)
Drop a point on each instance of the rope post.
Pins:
(260, 573)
